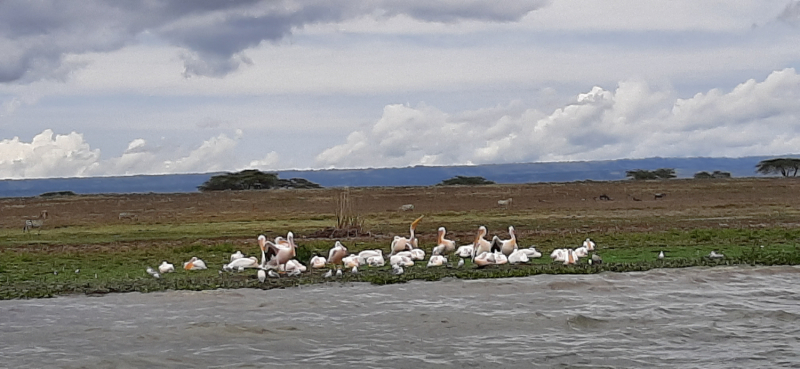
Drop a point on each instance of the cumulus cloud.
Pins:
(69, 155)
(36, 36)
(633, 120)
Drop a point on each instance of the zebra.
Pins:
(504, 203)
(35, 223)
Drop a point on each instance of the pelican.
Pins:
(531, 252)
(589, 244)
(500, 258)
(582, 252)
(481, 245)
(272, 274)
(518, 256)
(465, 251)
(376, 261)
(714, 255)
(402, 243)
(443, 246)
(661, 255)
(294, 266)
(262, 276)
(336, 253)
(166, 267)
(251, 262)
(366, 254)
(350, 261)
(483, 259)
(317, 262)
(237, 255)
(436, 260)
(571, 258)
(194, 264)
(279, 254)
(401, 260)
(559, 254)
(505, 246)
(418, 254)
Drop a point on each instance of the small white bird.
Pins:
(294, 273)
(273, 274)
(354, 270)
(317, 262)
(460, 263)
(661, 255)
(376, 261)
(328, 274)
(240, 269)
(338, 272)
(262, 275)
(152, 272)
(714, 255)
(77, 271)
(397, 269)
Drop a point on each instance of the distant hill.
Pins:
(411, 176)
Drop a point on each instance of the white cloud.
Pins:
(47, 155)
(269, 162)
(634, 120)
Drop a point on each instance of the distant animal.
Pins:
(603, 197)
(130, 216)
(659, 195)
(35, 223)
(505, 203)
(714, 255)
(407, 207)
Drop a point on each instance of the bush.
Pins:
(642, 174)
(462, 180)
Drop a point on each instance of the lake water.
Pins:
(689, 318)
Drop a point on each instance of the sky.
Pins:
(101, 87)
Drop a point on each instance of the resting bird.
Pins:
(277, 255)
(166, 267)
(443, 246)
(262, 276)
(402, 243)
(661, 255)
(589, 244)
(317, 262)
(481, 245)
(237, 255)
(337, 253)
(194, 264)
(505, 246)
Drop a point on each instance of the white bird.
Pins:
(582, 252)
(262, 276)
(277, 255)
(571, 257)
(366, 254)
(531, 252)
(317, 262)
(328, 274)
(376, 261)
(460, 263)
(559, 255)
(241, 263)
(166, 267)
(337, 253)
(151, 271)
(481, 245)
(338, 272)
(350, 261)
(443, 245)
(294, 266)
(354, 270)
(397, 269)
(595, 260)
(294, 273)
(500, 258)
(402, 243)
(714, 255)
(465, 251)
(436, 260)
(194, 264)
(401, 260)
(483, 259)
(417, 254)
(77, 271)
(589, 244)
(518, 256)
(505, 246)
(237, 255)
(661, 255)
(273, 274)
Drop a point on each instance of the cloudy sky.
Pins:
(93, 87)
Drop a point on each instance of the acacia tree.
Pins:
(463, 180)
(642, 174)
(785, 166)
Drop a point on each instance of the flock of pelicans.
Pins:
(278, 256)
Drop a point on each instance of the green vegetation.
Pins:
(58, 193)
(465, 181)
(642, 174)
(252, 179)
(715, 175)
(785, 166)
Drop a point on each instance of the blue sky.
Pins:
(96, 88)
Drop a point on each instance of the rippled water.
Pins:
(688, 318)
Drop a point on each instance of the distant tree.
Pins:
(462, 180)
(720, 174)
(642, 174)
(703, 175)
(252, 179)
(665, 173)
(785, 166)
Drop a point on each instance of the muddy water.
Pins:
(688, 318)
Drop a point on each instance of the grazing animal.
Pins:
(659, 196)
(505, 203)
(402, 243)
(129, 216)
(407, 207)
(35, 223)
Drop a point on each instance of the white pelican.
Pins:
(481, 245)
(166, 267)
(262, 276)
(714, 255)
(436, 260)
(401, 260)
(194, 264)
(336, 253)
(483, 259)
(518, 256)
(366, 254)
(294, 266)
(418, 254)
(237, 255)
(465, 251)
(582, 252)
(559, 254)
(317, 262)
(505, 246)
(251, 262)
(500, 258)
(531, 252)
(661, 255)
(376, 261)
(443, 245)
(571, 257)
(278, 255)
(589, 244)
(350, 261)
(402, 243)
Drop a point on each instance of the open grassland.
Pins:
(85, 233)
